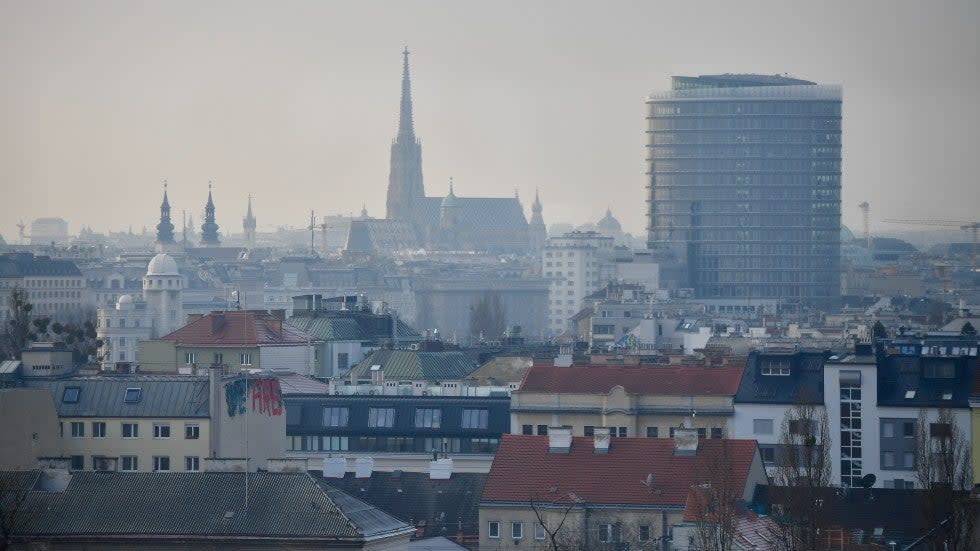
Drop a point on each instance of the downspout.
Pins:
(214, 408)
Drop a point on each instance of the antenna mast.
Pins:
(312, 234)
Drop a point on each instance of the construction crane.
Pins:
(866, 214)
(972, 227)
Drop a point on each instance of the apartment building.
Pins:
(576, 264)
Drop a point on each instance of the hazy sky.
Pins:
(296, 102)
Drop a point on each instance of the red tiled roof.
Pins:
(238, 328)
(676, 380)
(524, 469)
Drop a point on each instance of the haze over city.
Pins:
(296, 103)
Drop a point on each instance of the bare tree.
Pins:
(942, 468)
(714, 502)
(552, 515)
(804, 469)
(17, 326)
(488, 319)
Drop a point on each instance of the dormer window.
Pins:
(70, 395)
(133, 395)
(775, 368)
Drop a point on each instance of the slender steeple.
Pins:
(405, 175)
(537, 232)
(209, 229)
(165, 229)
(248, 224)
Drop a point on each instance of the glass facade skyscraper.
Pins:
(744, 188)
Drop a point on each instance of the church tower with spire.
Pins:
(405, 175)
(209, 229)
(248, 224)
(165, 229)
(537, 232)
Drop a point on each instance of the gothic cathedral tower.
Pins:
(248, 224)
(405, 176)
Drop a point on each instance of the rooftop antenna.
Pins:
(312, 234)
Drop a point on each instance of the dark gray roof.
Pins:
(26, 264)
(378, 236)
(806, 371)
(490, 222)
(413, 365)
(371, 522)
(898, 374)
(352, 326)
(195, 505)
(103, 395)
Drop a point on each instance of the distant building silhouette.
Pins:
(165, 229)
(209, 229)
(744, 189)
(248, 224)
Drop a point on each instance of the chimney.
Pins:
(55, 473)
(601, 440)
(685, 441)
(287, 465)
(441, 469)
(214, 409)
(363, 467)
(559, 439)
(334, 467)
(191, 318)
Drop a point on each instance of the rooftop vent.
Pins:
(559, 439)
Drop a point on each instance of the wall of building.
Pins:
(144, 447)
(297, 358)
(251, 418)
(31, 427)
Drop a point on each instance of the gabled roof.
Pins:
(524, 469)
(296, 383)
(414, 365)
(193, 505)
(643, 379)
(352, 326)
(105, 395)
(238, 329)
(28, 265)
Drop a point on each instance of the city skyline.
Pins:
(297, 109)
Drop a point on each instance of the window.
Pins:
(98, 429)
(77, 462)
(517, 530)
(493, 529)
(774, 367)
(762, 426)
(192, 431)
(161, 463)
(888, 459)
(219, 358)
(130, 430)
(475, 418)
(945, 370)
(607, 533)
(908, 429)
(381, 417)
(702, 432)
(940, 430)
(527, 430)
(622, 432)
(589, 430)
(653, 432)
(768, 455)
(70, 395)
(129, 463)
(77, 429)
(192, 463)
(245, 358)
(538, 531)
(542, 430)
(716, 433)
(644, 532)
(161, 430)
(343, 361)
(801, 426)
(133, 395)
(428, 418)
(887, 430)
(908, 460)
(335, 417)
(190, 358)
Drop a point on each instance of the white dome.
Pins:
(125, 302)
(162, 265)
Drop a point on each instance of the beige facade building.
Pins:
(633, 401)
(35, 432)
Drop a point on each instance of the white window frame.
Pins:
(194, 428)
(134, 465)
(538, 531)
(158, 431)
(493, 529)
(158, 461)
(192, 463)
(517, 530)
(245, 358)
(134, 434)
(101, 425)
(80, 433)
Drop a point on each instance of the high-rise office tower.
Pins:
(744, 189)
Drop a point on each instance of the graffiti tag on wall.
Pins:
(265, 395)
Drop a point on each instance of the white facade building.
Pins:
(576, 264)
(162, 290)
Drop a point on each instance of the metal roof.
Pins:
(104, 396)
(413, 365)
(197, 505)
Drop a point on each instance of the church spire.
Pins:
(248, 224)
(165, 229)
(209, 229)
(406, 126)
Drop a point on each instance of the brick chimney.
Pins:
(601, 440)
(685, 441)
(559, 439)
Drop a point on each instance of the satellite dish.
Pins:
(868, 480)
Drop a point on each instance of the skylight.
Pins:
(70, 395)
(947, 395)
(909, 394)
(133, 395)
